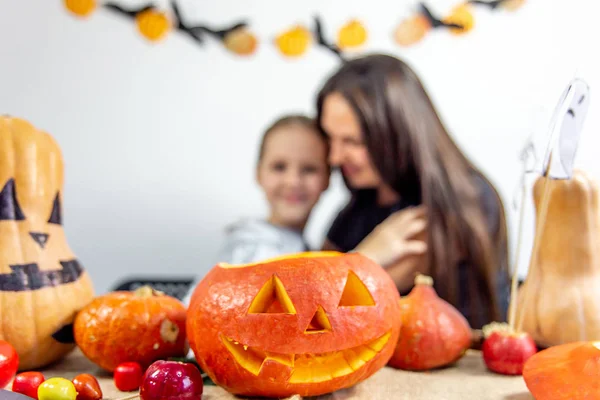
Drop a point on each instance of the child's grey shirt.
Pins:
(254, 240)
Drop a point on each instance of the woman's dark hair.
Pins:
(415, 155)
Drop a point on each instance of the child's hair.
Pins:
(287, 120)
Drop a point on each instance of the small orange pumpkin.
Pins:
(433, 333)
(307, 324)
(412, 30)
(153, 24)
(240, 41)
(142, 326)
(460, 15)
(81, 8)
(566, 372)
(352, 35)
(294, 42)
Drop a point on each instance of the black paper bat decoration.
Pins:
(434, 21)
(321, 39)
(194, 32)
(493, 4)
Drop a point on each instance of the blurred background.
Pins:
(160, 138)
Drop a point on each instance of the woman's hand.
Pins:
(399, 235)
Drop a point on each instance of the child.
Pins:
(293, 172)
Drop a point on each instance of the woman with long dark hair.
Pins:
(405, 173)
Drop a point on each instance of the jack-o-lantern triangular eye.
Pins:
(56, 215)
(319, 322)
(9, 206)
(355, 293)
(272, 298)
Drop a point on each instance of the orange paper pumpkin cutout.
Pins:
(240, 41)
(352, 35)
(512, 5)
(307, 324)
(81, 8)
(153, 24)
(460, 15)
(412, 30)
(294, 42)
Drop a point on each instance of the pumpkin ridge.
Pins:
(148, 314)
(100, 345)
(34, 350)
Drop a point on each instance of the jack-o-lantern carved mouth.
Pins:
(310, 367)
(273, 298)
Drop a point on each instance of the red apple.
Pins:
(172, 380)
(504, 350)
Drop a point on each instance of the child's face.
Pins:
(293, 173)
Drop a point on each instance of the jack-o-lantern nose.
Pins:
(40, 238)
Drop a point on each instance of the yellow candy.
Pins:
(57, 389)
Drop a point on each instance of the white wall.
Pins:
(148, 131)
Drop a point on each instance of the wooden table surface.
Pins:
(468, 379)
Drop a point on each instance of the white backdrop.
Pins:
(160, 140)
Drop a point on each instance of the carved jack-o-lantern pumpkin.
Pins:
(42, 285)
(307, 324)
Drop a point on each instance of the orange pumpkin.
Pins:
(461, 15)
(42, 284)
(307, 324)
(153, 24)
(351, 35)
(142, 326)
(412, 30)
(294, 42)
(566, 372)
(240, 41)
(81, 8)
(433, 334)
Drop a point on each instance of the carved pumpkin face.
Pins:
(306, 324)
(42, 284)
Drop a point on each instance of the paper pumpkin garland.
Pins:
(460, 20)
(294, 42)
(352, 35)
(81, 8)
(154, 23)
